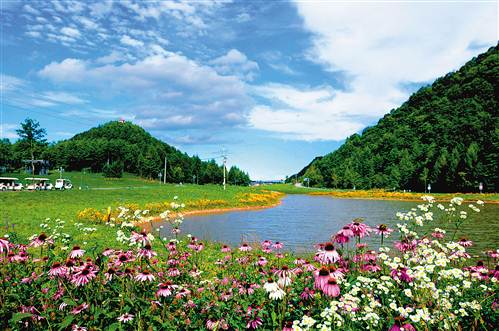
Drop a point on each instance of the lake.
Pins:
(301, 221)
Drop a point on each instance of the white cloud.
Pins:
(71, 32)
(63, 97)
(197, 95)
(381, 46)
(8, 131)
(87, 23)
(29, 9)
(112, 57)
(129, 41)
(235, 62)
(243, 17)
(69, 70)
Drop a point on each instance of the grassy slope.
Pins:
(28, 209)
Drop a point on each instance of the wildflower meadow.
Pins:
(425, 280)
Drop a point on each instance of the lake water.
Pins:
(301, 221)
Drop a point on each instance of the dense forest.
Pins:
(446, 135)
(121, 146)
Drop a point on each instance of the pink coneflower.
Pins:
(401, 274)
(328, 255)
(76, 327)
(254, 321)
(83, 277)
(299, 261)
(360, 229)
(76, 252)
(173, 272)
(109, 274)
(465, 242)
(371, 267)
(139, 237)
(41, 240)
(165, 289)
(383, 229)
(171, 246)
(4, 245)
(147, 252)
(331, 288)
(346, 231)
(245, 248)
(399, 326)
(225, 249)
(126, 317)
(145, 276)
(58, 270)
(266, 243)
(129, 272)
(307, 294)
(22, 256)
(278, 245)
(321, 277)
(438, 235)
(283, 272)
(309, 266)
(212, 324)
(495, 273)
(108, 252)
(369, 256)
(493, 254)
(336, 273)
(340, 239)
(78, 309)
(405, 245)
(58, 294)
(182, 293)
(261, 261)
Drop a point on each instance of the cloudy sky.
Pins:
(275, 83)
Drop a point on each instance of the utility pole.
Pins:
(164, 173)
(225, 164)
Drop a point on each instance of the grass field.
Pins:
(27, 209)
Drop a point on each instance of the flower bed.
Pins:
(424, 282)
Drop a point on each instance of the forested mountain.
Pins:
(446, 134)
(128, 147)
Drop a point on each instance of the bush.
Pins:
(113, 170)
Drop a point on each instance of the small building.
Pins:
(41, 167)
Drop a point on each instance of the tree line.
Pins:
(445, 135)
(113, 148)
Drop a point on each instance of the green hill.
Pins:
(446, 134)
(131, 148)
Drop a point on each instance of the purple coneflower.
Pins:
(58, 270)
(261, 261)
(78, 309)
(360, 229)
(266, 243)
(147, 252)
(84, 276)
(328, 255)
(126, 317)
(346, 231)
(109, 274)
(41, 240)
(399, 326)
(145, 276)
(254, 321)
(401, 274)
(278, 245)
(173, 272)
(139, 237)
(4, 245)
(171, 246)
(76, 252)
(405, 245)
(465, 242)
(165, 289)
(307, 294)
(340, 239)
(182, 293)
(321, 277)
(108, 252)
(331, 288)
(245, 248)
(225, 249)
(76, 327)
(383, 230)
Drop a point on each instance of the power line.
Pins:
(53, 116)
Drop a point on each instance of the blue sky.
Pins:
(275, 83)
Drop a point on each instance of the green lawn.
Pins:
(27, 209)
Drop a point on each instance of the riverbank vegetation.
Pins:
(141, 281)
(445, 135)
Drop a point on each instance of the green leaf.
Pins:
(67, 321)
(19, 316)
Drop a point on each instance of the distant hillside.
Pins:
(446, 134)
(136, 151)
